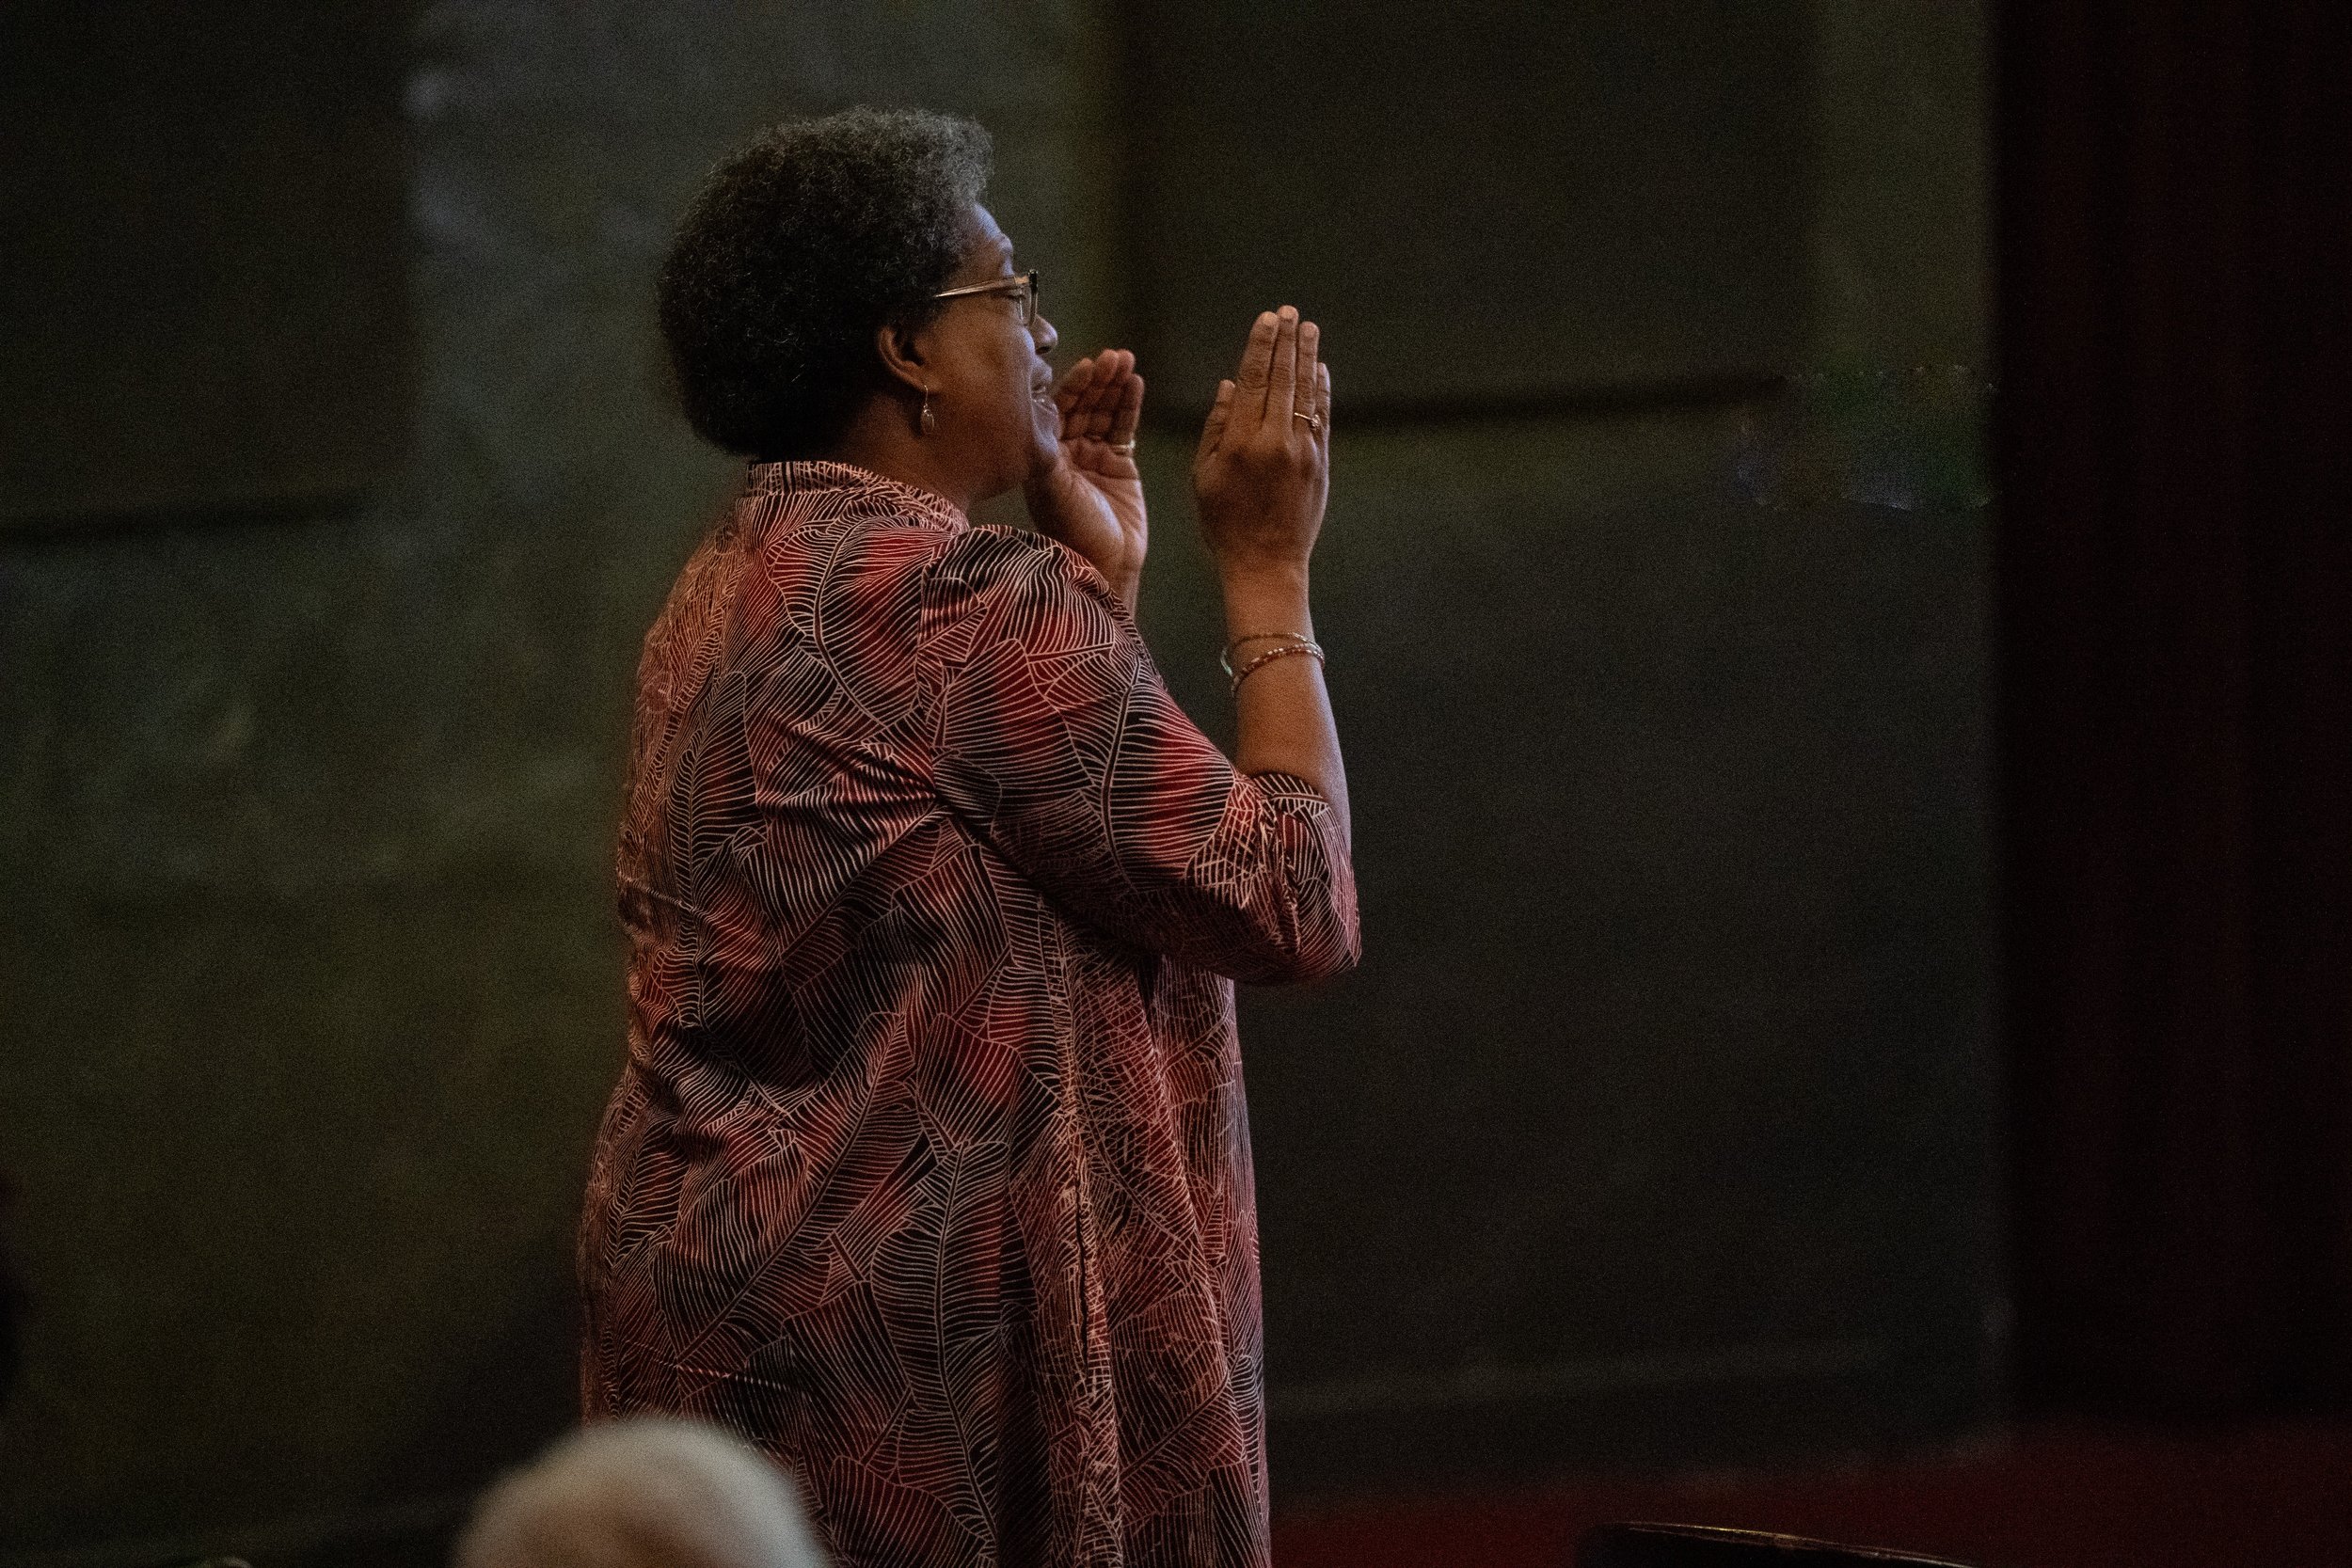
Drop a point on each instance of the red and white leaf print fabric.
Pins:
(930, 1168)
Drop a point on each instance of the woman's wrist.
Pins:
(1265, 601)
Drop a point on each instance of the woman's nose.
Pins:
(1043, 332)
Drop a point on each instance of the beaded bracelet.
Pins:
(1314, 650)
(1225, 655)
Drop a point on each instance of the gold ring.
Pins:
(1124, 449)
(1314, 421)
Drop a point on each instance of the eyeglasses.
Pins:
(1022, 289)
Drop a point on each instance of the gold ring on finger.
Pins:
(1314, 421)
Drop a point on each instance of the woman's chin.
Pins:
(1044, 441)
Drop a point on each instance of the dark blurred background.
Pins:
(1856, 969)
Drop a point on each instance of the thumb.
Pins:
(1214, 430)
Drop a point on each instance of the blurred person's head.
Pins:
(800, 302)
(644, 1492)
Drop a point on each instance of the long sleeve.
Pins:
(1055, 738)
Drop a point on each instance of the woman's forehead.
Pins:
(990, 243)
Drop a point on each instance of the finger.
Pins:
(1220, 412)
(1307, 390)
(1282, 376)
(1110, 393)
(1067, 395)
(1129, 418)
(1083, 414)
(1257, 364)
(1322, 403)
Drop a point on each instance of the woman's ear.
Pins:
(901, 348)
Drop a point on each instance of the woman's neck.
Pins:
(880, 440)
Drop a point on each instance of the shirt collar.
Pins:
(812, 475)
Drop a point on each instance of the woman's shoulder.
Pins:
(996, 584)
(989, 560)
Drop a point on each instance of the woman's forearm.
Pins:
(1284, 723)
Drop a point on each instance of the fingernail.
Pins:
(1290, 312)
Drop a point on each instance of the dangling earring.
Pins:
(926, 420)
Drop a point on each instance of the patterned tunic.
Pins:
(930, 1169)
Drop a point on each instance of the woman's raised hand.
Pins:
(1261, 478)
(1263, 470)
(1091, 499)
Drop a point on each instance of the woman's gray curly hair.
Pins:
(799, 247)
(649, 1492)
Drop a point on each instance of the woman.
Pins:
(929, 1170)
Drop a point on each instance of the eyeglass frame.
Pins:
(1030, 284)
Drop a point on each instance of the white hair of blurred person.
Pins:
(643, 1493)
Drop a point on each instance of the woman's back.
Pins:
(778, 786)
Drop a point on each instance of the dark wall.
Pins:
(204, 213)
(1653, 1125)
(1656, 1126)
(1522, 203)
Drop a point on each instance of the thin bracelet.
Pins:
(1225, 655)
(1312, 650)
